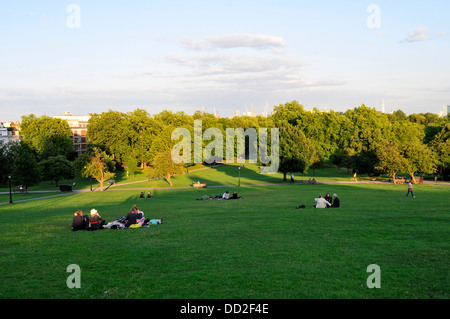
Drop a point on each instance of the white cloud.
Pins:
(193, 45)
(418, 34)
(246, 40)
(243, 40)
(212, 64)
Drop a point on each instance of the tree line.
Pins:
(360, 140)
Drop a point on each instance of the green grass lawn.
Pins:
(256, 247)
(221, 175)
(25, 196)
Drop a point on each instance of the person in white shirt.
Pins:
(226, 195)
(410, 190)
(321, 202)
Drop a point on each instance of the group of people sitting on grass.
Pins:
(325, 202)
(225, 195)
(149, 195)
(134, 219)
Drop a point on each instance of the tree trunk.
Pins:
(102, 179)
(284, 177)
(394, 177)
(168, 177)
(412, 178)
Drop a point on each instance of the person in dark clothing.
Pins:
(80, 222)
(328, 198)
(235, 196)
(336, 202)
(131, 218)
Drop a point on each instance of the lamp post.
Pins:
(239, 176)
(10, 194)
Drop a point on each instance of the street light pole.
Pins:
(10, 194)
(239, 176)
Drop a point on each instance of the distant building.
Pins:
(237, 113)
(9, 132)
(5, 133)
(445, 111)
(78, 125)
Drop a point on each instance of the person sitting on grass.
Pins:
(235, 196)
(139, 213)
(226, 195)
(328, 198)
(80, 221)
(96, 220)
(149, 195)
(321, 202)
(336, 202)
(140, 216)
(131, 218)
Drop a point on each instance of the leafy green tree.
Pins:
(441, 148)
(287, 113)
(391, 161)
(130, 165)
(100, 167)
(25, 170)
(420, 159)
(164, 166)
(398, 115)
(48, 136)
(111, 132)
(296, 152)
(443, 157)
(56, 168)
(142, 131)
(5, 162)
(342, 158)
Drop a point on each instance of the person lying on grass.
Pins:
(206, 197)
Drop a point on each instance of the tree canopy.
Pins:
(361, 140)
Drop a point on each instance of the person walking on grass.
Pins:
(410, 190)
(292, 179)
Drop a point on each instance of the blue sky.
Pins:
(222, 55)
